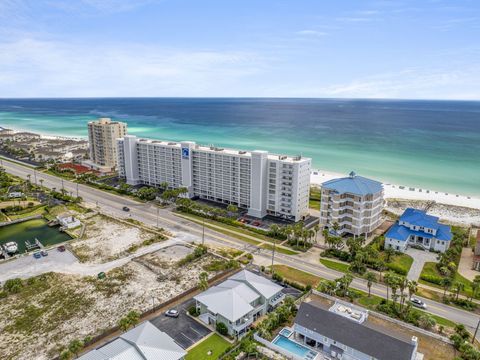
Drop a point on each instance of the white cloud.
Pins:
(30, 68)
(412, 83)
(313, 33)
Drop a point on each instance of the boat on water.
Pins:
(11, 247)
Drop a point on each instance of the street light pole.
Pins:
(273, 254)
(35, 175)
(158, 210)
(203, 231)
(77, 190)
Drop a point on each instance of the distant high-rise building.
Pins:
(351, 205)
(263, 183)
(103, 135)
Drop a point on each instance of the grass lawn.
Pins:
(215, 343)
(224, 228)
(335, 265)
(315, 196)
(38, 211)
(430, 269)
(401, 262)
(297, 276)
(279, 249)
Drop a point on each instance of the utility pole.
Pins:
(273, 255)
(476, 330)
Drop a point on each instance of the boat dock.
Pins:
(37, 245)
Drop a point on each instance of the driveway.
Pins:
(420, 257)
(184, 330)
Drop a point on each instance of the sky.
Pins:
(418, 49)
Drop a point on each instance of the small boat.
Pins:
(11, 247)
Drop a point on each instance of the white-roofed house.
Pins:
(238, 301)
(144, 342)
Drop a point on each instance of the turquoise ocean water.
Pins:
(427, 144)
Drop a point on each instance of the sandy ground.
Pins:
(73, 307)
(449, 213)
(106, 239)
(400, 192)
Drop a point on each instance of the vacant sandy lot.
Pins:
(52, 309)
(106, 239)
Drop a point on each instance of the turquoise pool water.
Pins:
(294, 347)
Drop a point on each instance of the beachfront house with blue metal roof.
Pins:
(417, 228)
(351, 205)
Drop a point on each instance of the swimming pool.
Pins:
(294, 348)
(286, 332)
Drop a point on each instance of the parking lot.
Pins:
(184, 330)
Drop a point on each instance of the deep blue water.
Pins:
(430, 144)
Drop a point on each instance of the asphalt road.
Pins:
(189, 231)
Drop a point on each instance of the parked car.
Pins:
(418, 303)
(43, 253)
(172, 313)
(61, 248)
(37, 255)
(125, 208)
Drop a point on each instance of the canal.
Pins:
(29, 230)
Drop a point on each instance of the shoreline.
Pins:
(394, 191)
(317, 177)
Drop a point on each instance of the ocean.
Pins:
(428, 144)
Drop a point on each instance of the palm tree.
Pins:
(475, 286)
(203, 281)
(371, 278)
(316, 228)
(446, 283)
(458, 287)
(389, 252)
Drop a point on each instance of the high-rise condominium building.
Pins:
(103, 135)
(351, 205)
(258, 181)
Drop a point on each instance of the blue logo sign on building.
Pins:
(185, 153)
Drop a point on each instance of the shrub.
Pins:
(192, 310)
(13, 285)
(432, 279)
(397, 268)
(222, 328)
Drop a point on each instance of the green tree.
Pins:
(222, 328)
(65, 355)
(203, 281)
(446, 283)
(457, 288)
(426, 321)
(232, 210)
(371, 278)
(389, 253)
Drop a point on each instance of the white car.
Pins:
(418, 303)
(172, 313)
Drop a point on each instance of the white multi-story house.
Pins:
(344, 332)
(263, 183)
(351, 204)
(417, 228)
(102, 137)
(238, 301)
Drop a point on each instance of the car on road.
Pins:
(61, 248)
(172, 313)
(418, 303)
(126, 208)
(43, 253)
(37, 255)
